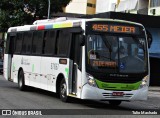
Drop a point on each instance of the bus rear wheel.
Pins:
(115, 102)
(21, 83)
(63, 91)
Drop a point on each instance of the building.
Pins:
(127, 6)
(133, 6)
(81, 7)
(106, 5)
(154, 7)
(146, 7)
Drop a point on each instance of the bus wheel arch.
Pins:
(21, 82)
(61, 83)
(58, 81)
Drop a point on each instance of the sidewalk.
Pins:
(154, 88)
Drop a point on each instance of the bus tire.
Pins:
(21, 83)
(115, 102)
(63, 91)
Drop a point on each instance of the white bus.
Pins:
(96, 59)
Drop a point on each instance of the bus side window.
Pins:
(37, 42)
(50, 39)
(63, 43)
(27, 43)
(18, 44)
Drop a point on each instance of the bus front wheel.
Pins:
(115, 102)
(63, 91)
(21, 83)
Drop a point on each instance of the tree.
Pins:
(20, 12)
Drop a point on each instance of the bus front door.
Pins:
(76, 68)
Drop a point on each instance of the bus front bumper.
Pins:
(94, 93)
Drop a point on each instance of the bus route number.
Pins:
(100, 27)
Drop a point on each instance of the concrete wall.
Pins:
(105, 5)
(77, 6)
(80, 6)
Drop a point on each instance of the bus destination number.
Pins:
(105, 64)
(114, 28)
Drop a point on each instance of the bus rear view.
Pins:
(116, 62)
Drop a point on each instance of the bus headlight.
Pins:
(91, 81)
(144, 81)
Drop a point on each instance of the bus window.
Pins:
(27, 43)
(63, 43)
(18, 44)
(37, 42)
(50, 39)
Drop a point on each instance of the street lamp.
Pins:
(49, 3)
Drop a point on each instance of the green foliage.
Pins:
(20, 12)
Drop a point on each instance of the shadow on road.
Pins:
(89, 103)
(9, 86)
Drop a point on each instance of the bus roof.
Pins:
(65, 23)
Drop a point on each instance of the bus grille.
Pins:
(109, 95)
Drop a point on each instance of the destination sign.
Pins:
(114, 28)
(104, 64)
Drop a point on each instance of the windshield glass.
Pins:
(123, 54)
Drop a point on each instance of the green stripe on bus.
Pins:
(32, 67)
(67, 72)
(118, 86)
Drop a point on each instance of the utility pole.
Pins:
(49, 4)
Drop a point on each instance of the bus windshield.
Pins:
(116, 54)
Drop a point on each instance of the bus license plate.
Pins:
(117, 94)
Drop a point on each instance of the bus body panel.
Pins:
(8, 67)
(79, 83)
(40, 72)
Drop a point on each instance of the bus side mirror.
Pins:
(149, 38)
(81, 40)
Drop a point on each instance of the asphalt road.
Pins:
(12, 98)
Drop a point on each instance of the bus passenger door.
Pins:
(9, 56)
(75, 54)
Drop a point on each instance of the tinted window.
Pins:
(37, 42)
(27, 43)
(49, 42)
(63, 43)
(19, 40)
